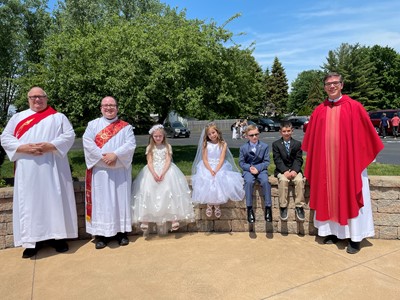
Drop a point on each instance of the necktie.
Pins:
(287, 146)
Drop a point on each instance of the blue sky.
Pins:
(300, 33)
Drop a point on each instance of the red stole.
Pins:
(101, 139)
(340, 143)
(27, 123)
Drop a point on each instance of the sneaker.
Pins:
(300, 213)
(283, 213)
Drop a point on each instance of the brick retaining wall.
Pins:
(385, 194)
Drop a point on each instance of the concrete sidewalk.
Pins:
(206, 266)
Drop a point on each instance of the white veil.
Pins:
(199, 154)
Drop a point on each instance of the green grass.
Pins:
(183, 158)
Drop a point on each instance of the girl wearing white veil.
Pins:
(215, 177)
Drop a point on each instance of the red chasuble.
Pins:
(340, 143)
(101, 139)
(27, 123)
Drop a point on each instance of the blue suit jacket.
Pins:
(259, 159)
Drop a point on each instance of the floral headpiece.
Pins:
(212, 123)
(155, 127)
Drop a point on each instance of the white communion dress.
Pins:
(165, 201)
(226, 185)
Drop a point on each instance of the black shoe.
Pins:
(122, 238)
(60, 245)
(353, 247)
(101, 242)
(300, 213)
(268, 214)
(250, 216)
(330, 239)
(29, 252)
(283, 213)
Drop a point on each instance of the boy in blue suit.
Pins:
(254, 161)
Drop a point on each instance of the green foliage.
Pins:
(23, 28)
(387, 65)
(306, 93)
(359, 73)
(278, 93)
(79, 131)
(149, 57)
(153, 59)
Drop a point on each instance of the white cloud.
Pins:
(314, 31)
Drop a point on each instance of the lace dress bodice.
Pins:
(213, 154)
(159, 158)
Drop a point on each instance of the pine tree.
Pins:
(360, 78)
(279, 87)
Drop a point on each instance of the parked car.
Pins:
(305, 126)
(267, 124)
(376, 115)
(260, 127)
(297, 121)
(176, 129)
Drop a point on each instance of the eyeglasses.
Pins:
(335, 83)
(109, 106)
(38, 96)
(255, 134)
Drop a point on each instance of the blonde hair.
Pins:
(152, 144)
(206, 139)
(250, 127)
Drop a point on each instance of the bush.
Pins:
(79, 131)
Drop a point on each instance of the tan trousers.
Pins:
(283, 190)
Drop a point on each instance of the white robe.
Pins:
(359, 227)
(44, 201)
(111, 185)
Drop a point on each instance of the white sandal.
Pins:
(217, 211)
(209, 210)
(175, 226)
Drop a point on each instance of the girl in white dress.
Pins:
(160, 191)
(215, 177)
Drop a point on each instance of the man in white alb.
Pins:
(38, 140)
(109, 145)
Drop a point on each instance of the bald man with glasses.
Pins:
(44, 210)
(109, 144)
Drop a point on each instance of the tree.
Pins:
(359, 73)
(23, 28)
(11, 45)
(279, 87)
(387, 65)
(154, 63)
(306, 92)
(269, 108)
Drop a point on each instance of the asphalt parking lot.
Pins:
(389, 155)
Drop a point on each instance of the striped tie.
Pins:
(287, 145)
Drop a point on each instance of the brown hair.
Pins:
(206, 139)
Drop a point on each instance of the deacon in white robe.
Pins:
(44, 205)
(109, 149)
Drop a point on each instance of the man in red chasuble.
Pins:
(340, 143)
